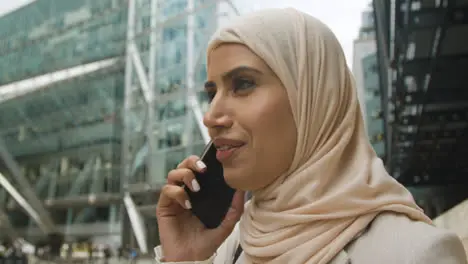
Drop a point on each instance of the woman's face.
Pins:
(249, 118)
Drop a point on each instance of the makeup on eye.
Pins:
(238, 79)
(240, 84)
(210, 90)
(237, 85)
(210, 95)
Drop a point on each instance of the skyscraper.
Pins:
(366, 73)
(98, 100)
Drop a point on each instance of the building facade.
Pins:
(365, 70)
(373, 103)
(98, 100)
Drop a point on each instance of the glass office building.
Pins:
(98, 100)
(373, 104)
(366, 74)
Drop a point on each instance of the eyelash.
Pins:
(238, 84)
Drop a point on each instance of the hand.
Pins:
(183, 237)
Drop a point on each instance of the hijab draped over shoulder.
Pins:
(336, 185)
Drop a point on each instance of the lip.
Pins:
(224, 155)
(219, 142)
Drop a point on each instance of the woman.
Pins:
(284, 102)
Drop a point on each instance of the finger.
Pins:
(232, 217)
(194, 163)
(171, 194)
(185, 176)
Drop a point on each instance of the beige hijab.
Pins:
(336, 184)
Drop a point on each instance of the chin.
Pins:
(240, 181)
(232, 180)
(236, 180)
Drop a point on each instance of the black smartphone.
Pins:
(212, 202)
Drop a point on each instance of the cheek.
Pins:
(278, 132)
(263, 118)
(273, 135)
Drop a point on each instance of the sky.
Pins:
(9, 5)
(342, 16)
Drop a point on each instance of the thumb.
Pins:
(232, 217)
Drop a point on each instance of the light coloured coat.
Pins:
(390, 239)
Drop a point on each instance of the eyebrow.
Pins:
(232, 73)
(240, 69)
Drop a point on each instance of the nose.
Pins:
(217, 117)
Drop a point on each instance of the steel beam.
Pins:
(193, 104)
(44, 226)
(133, 62)
(151, 137)
(137, 76)
(189, 78)
(13, 90)
(140, 70)
(102, 199)
(83, 175)
(194, 60)
(41, 216)
(137, 223)
(125, 155)
(97, 185)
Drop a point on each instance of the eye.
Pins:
(240, 84)
(210, 90)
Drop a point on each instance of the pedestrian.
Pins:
(285, 116)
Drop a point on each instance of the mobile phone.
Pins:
(211, 203)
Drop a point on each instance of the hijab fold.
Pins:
(336, 184)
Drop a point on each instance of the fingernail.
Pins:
(195, 185)
(200, 165)
(188, 205)
(231, 214)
